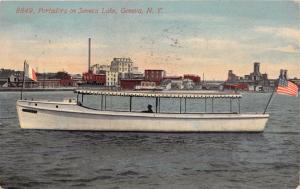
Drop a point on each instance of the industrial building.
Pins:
(155, 75)
(255, 81)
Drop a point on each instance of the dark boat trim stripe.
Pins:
(29, 110)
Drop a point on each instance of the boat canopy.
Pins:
(160, 94)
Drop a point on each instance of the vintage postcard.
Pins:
(150, 94)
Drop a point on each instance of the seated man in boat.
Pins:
(149, 109)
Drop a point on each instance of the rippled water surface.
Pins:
(65, 159)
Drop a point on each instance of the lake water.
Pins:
(70, 159)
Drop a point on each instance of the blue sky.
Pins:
(186, 37)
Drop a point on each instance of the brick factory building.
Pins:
(195, 78)
(129, 84)
(155, 75)
(91, 78)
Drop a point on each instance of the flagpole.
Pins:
(270, 99)
(23, 83)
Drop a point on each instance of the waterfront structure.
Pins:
(10, 78)
(73, 115)
(155, 75)
(47, 83)
(188, 84)
(54, 83)
(3, 82)
(120, 68)
(111, 78)
(97, 79)
(195, 78)
(76, 76)
(253, 76)
(121, 65)
(179, 83)
(148, 85)
(232, 77)
(177, 78)
(135, 70)
(137, 75)
(255, 81)
(44, 80)
(98, 69)
(5, 74)
(130, 84)
(236, 86)
(256, 75)
(57, 80)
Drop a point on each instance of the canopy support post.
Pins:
(156, 104)
(239, 106)
(205, 104)
(130, 103)
(82, 97)
(212, 104)
(102, 102)
(184, 105)
(77, 98)
(230, 105)
(180, 106)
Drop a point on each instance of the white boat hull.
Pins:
(69, 116)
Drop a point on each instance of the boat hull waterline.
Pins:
(70, 116)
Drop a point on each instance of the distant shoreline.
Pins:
(36, 89)
(14, 89)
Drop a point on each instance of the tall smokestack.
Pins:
(256, 67)
(89, 66)
(285, 74)
(281, 73)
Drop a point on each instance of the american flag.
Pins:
(286, 87)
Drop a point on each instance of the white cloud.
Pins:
(283, 32)
(211, 44)
(287, 49)
(291, 37)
